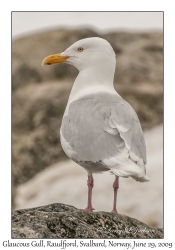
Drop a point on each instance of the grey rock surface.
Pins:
(64, 221)
(37, 114)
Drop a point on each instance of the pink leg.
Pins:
(90, 183)
(115, 186)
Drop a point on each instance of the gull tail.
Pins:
(130, 169)
(141, 179)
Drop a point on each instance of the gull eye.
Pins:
(80, 49)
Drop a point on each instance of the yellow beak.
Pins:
(56, 58)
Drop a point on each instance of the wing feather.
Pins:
(99, 127)
(126, 121)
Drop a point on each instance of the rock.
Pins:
(37, 114)
(64, 221)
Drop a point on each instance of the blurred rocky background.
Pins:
(41, 172)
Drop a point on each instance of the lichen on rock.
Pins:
(58, 220)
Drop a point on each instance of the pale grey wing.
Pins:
(104, 127)
(87, 130)
(124, 118)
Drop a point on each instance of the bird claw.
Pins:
(114, 211)
(89, 209)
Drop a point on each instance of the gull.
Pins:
(100, 131)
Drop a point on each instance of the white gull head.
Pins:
(91, 53)
(95, 59)
(94, 55)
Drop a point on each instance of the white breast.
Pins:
(68, 149)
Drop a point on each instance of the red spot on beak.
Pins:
(48, 63)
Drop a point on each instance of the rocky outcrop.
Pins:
(63, 221)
